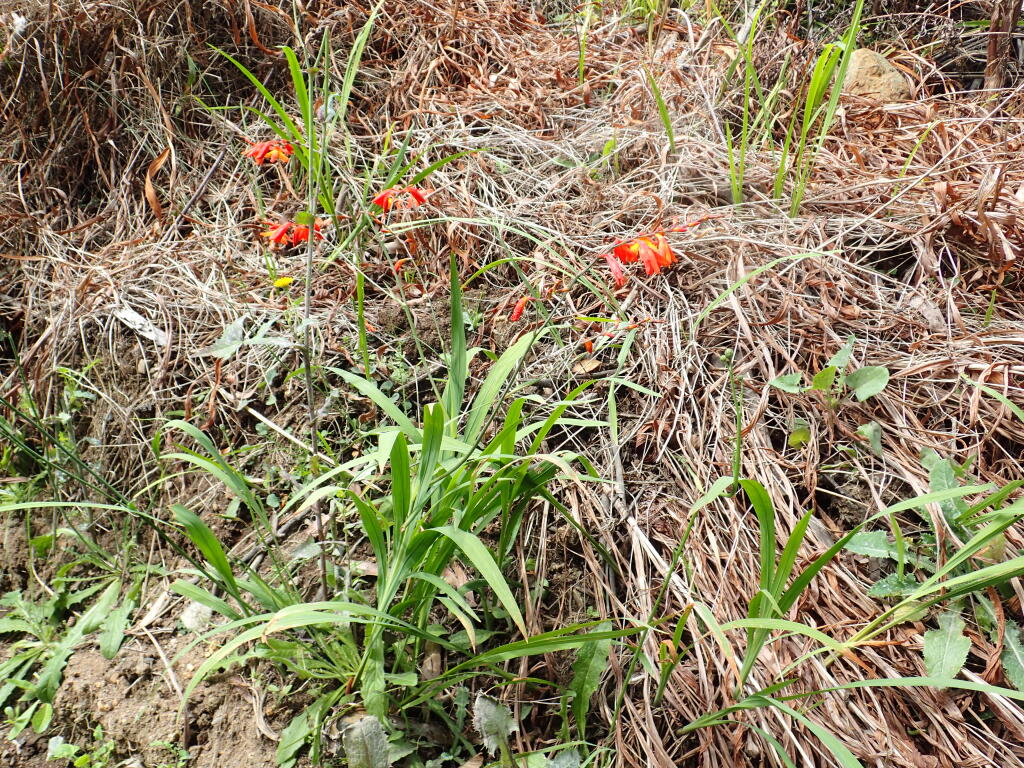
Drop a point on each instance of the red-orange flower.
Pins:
(653, 251)
(517, 310)
(270, 152)
(616, 269)
(628, 251)
(290, 232)
(300, 232)
(278, 234)
(410, 197)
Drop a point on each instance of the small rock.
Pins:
(142, 666)
(871, 75)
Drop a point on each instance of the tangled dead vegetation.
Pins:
(128, 240)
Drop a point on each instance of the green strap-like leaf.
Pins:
(483, 561)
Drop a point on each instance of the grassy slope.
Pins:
(906, 199)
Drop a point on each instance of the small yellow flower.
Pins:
(283, 282)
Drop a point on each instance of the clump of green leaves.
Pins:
(834, 382)
(421, 500)
(99, 756)
(973, 572)
(43, 642)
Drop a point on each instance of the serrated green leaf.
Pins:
(366, 744)
(1013, 657)
(868, 381)
(790, 382)
(9, 624)
(872, 544)
(894, 585)
(587, 671)
(942, 477)
(493, 721)
(946, 648)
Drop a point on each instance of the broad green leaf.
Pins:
(1013, 656)
(373, 686)
(401, 493)
(230, 341)
(946, 648)
(790, 382)
(566, 758)
(894, 585)
(588, 669)
(113, 628)
(872, 544)
(366, 744)
(799, 434)
(42, 717)
(293, 738)
(93, 618)
(868, 381)
(58, 749)
(824, 379)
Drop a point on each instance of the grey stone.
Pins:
(871, 75)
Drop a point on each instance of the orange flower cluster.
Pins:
(653, 251)
(278, 234)
(270, 152)
(407, 197)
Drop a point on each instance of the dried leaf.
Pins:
(151, 171)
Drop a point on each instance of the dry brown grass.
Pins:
(913, 217)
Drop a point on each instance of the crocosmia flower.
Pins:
(301, 232)
(270, 152)
(517, 310)
(616, 269)
(294, 233)
(396, 197)
(278, 234)
(653, 251)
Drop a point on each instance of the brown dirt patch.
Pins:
(137, 704)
